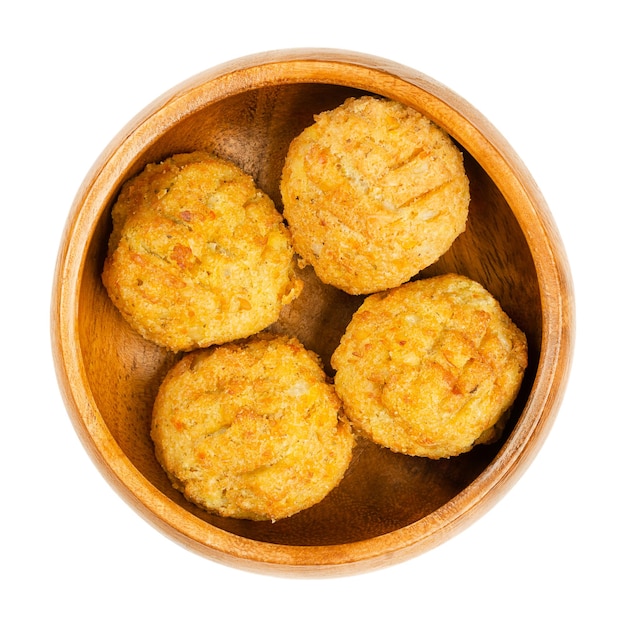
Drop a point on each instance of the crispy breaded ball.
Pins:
(198, 254)
(373, 192)
(251, 429)
(430, 368)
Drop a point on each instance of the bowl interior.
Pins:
(382, 491)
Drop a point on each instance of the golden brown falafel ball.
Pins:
(373, 192)
(431, 367)
(251, 429)
(198, 254)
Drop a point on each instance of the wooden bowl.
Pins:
(389, 507)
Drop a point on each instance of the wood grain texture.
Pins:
(389, 507)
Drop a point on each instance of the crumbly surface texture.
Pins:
(198, 254)
(430, 368)
(373, 192)
(251, 429)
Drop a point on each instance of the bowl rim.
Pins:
(478, 136)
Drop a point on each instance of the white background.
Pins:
(549, 75)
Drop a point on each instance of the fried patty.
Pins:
(373, 192)
(430, 368)
(198, 254)
(251, 429)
